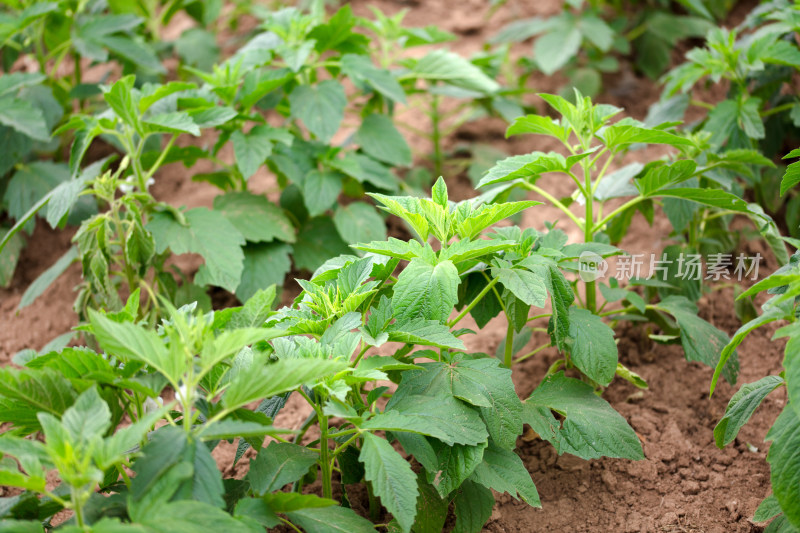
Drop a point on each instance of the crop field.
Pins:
(399, 266)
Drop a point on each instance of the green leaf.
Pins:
(591, 427)
(742, 406)
(554, 49)
(251, 149)
(321, 188)
(701, 341)
(379, 138)
(620, 136)
(277, 377)
(278, 464)
(538, 125)
(431, 509)
(424, 417)
(359, 222)
(209, 234)
(784, 462)
(176, 122)
(426, 291)
(502, 470)
(593, 349)
(392, 479)
(191, 516)
(23, 117)
(331, 520)
(526, 285)
(256, 218)
(791, 177)
(455, 463)
(121, 99)
(524, 166)
(425, 333)
(443, 65)
(361, 69)
(473, 507)
(9, 257)
(265, 264)
(47, 277)
(88, 418)
(317, 241)
(30, 184)
(710, 197)
(320, 107)
(23, 393)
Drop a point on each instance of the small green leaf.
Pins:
(278, 464)
(359, 222)
(593, 349)
(379, 138)
(320, 107)
(503, 471)
(742, 406)
(426, 291)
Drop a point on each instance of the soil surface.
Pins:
(685, 484)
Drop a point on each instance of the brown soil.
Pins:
(685, 484)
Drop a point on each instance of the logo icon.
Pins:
(591, 266)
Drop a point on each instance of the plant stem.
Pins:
(374, 506)
(536, 317)
(553, 200)
(436, 136)
(509, 347)
(324, 459)
(473, 303)
(588, 233)
(532, 352)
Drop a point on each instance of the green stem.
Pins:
(324, 452)
(778, 109)
(536, 317)
(473, 303)
(532, 353)
(553, 200)
(374, 505)
(509, 347)
(588, 233)
(160, 159)
(436, 136)
(618, 210)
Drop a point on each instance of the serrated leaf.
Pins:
(360, 69)
(426, 291)
(359, 222)
(526, 285)
(443, 65)
(593, 349)
(321, 188)
(317, 241)
(331, 520)
(473, 507)
(278, 464)
(209, 234)
(379, 138)
(502, 470)
(23, 117)
(554, 49)
(392, 479)
(425, 333)
(264, 264)
(591, 427)
(256, 218)
(320, 107)
(784, 462)
(538, 125)
(251, 149)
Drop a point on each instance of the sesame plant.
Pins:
(454, 413)
(593, 141)
(756, 61)
(588, 39)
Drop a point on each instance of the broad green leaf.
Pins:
(121, 99)
(191, 516)
(502, 470)
(321, 188)
(359, 222)
(124, 339)
(425, 333)
(320, 107)
(392, 479)
(88, 418)
(30, 184)
(23, 117)
(265, 264)
(278, 464)
(379, 138)
(593, 349)
(473, 507)
(591, 427)
(792, 175)
(274, 378)
(442, 422)
(620, 136)
(526, 285)
(317, 241)
(701, 341)
(361, 69)
(742, 406)
(251, 149)
(426, 291)
(431, 509)
(443, 65)
(154, 93)
(784, 463)
(23, 393)
(330, 520)
(209, 234)
(710, 197)
(524, 166)
(176, 122)
(256, 218)
(539, 125)
(455, 464)
(554, 49)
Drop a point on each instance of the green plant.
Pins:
(586, 38)
(456, 413)
(756, 61)
(593, 141)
